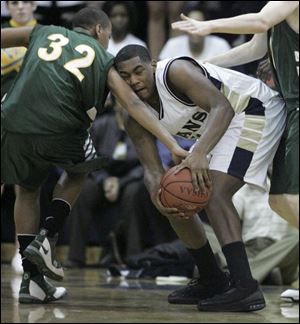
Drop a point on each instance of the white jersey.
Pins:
(248, 146)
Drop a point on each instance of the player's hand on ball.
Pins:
(166, 211)
(198, 164)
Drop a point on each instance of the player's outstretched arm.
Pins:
(15, 37)
(250, 51)
(147, 152)
(146, 148)
(271, 14)
(138, 110)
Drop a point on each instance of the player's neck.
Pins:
(154, 101)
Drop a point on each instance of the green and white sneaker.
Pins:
(37, 290)
(41, 252)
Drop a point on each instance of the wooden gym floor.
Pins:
(95, 298)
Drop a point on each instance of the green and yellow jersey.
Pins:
(63, 76)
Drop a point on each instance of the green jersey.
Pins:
(63, 76)
(284, 53)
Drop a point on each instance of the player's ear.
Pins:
(98, 30)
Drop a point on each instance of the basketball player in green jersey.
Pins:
(60, 88)
(276, 27)
(21, 13)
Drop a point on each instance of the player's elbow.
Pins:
(228, 112)
(262, 24)
(257, 48)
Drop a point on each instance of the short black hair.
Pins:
(130, 51)
(89, 17)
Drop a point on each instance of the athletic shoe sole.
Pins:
(249, 304)
(34, 256)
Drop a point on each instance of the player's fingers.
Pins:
(158, 194)
(195, 180)
(173, 212)
(207, 180)
(182, 25)
(201, 181)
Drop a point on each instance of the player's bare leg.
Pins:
(27, 210)
(69, 186)
(190, 231)
(42, 250)
(245, 294)
(286, 206)
(34, 288)
(221, 212)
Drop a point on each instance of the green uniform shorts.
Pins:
(27, 159)
(285, 176)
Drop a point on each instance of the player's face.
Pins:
(139, 76)
(21, 11)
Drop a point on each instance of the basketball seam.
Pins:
(166, 176)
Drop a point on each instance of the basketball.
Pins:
(177, 191)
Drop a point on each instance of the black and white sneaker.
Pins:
(41, 252)
(37, 290)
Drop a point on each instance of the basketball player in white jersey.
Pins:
(238, 122)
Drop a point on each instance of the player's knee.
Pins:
(74, 177)
(219, 196)
(26, 193)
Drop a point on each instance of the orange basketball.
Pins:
(177, 191)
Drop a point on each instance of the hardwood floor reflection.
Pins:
(95, 298)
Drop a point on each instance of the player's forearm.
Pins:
(217, 124)
(271, 14)
(15, 37)
(145, 145)
(243, 54)
(145, 118)
(152, 181)
(244, 24)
